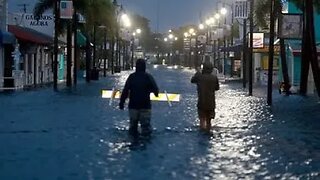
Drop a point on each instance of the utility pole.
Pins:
(231, 43)
(55, 49)
(271, 53)
(75, 44)
(251, 48)
(244, 54)
(105, 54)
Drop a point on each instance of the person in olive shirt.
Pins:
(207, 83)
(138, 87)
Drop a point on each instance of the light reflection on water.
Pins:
(248, 141)
(238, 148)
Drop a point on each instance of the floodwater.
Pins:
(75, 134)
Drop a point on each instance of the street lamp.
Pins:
(191, 33)
(201, 26)
(224, 12)
(134, 35)
(170, 39)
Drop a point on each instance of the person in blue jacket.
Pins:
(138, 87)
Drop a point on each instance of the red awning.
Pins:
(30, 35)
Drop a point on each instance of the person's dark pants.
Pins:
(142, 116)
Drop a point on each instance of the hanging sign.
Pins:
(290, 26)
(258, 40)
(241, 9)
(66, 9)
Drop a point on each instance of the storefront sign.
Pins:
(43, 24)
(258, 40)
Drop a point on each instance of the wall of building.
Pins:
(3, 9)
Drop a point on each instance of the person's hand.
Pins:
(121, 106)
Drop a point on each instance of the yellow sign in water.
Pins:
(115, 94)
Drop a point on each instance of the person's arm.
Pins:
(154, 86)
(124, 93)
(217, 84)
(195, 77)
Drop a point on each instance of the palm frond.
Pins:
(41, 6)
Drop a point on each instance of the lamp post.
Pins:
(191, 33)
(224, 12)
(55, 42)
(125, 23)
(104, 28)
(133, 38)
(119, 9)
(251, 47)
(210, 38)
(170, 39)
(217, 46)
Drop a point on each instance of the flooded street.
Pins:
(75, 134)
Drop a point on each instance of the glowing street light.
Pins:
(217, 16)
(223, 11)
(201, 26)
(126, 20)
(191, 31)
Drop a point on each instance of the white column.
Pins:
(256, 67)
(311, 85)
(32, 68)
(26, 70)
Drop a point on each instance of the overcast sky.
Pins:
(171, 13)
(163, 14)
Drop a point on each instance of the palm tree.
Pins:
(96, 12)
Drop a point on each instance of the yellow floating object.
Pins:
(115, 94)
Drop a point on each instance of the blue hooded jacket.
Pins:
(138, 87)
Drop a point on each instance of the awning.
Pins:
(7, 38)
(30, 35)
(81, 39)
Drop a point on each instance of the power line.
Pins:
(24, 7)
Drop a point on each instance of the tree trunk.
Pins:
(284, 67)
(304, 56)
